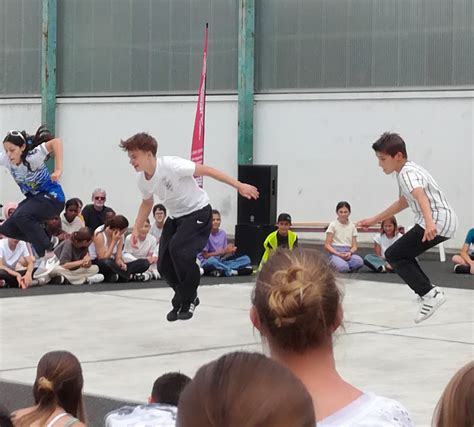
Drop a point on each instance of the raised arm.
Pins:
(55, 146)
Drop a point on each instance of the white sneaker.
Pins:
(46, 266)
(96, 278)
(38, 282)
(431, 302)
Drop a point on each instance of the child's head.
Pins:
(145, 227)
(54, 223)
(109, 213)
(118, 222)
(296, 302)
(391, 151)
(389, 227)
(82, 238)
(456, 405)
(168, 388)
(245, 389)
(72, 209)
(216, 220)
(141, 148)
(343, 210)
(283, 224)
(159, 213)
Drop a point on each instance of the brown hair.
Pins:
(168, 388)
(140, 141)
(245, 389)
(84, 234)
(456, 405)
(58, 382)
(393, 220)
(391, 144)
(297, 299)
(118, 222)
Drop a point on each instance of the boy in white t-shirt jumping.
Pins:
(188, 225)
(435, 220)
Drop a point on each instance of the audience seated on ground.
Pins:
(341, 241)
(146, 247)
(456, 405)
(57, 393)
(219, 257)
(245, 389)
(71, 219)
(382, 241)
(94, 214)
(159, 215)
(17, 264)
(75, 262)
(106, 252)
(161, 408)
(283, 237)
(464, 261)
(297, 307)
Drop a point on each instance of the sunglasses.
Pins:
(99, 198)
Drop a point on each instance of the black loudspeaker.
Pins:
(263, 210)
(249, 240)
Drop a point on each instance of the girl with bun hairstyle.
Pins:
(297, 308)
(57, 392)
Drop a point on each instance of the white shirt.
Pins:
(153, 415)
(93, 250)
(369, 410)
(384, 242)
(10, 258)
(413, 176)
(155, 231)
(144, 247)
(174, 185)
(70, 227)
(342, 233)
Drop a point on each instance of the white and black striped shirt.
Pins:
(412, 176)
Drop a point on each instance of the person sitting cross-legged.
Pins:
(219, 257)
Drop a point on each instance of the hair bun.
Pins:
(45, 384)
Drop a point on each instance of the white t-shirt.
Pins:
(144, 247)
(70, 227)
(369, 410)
(155, 231)
(413, 176)
(174, 185)
(153, 415)
(10, 258)
(342, 233)
(385, 242)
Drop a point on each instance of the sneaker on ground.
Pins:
(215, 273)
(113, 278)
(2, 283)
(462, 269)
(187, 311)
(57, 280)
(47, 265)
(38, 282)
(172, 316)
(96, 278)
(431, 302)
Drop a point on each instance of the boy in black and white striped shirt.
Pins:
(435, 220)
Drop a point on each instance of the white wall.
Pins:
(320, 142)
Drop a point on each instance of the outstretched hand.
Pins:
(248, 191)
(365, 223)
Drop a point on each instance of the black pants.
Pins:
(181, 241)
(10, 280)
(26, 223)
(109, 267)
(402, 257)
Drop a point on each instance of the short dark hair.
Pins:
(343, 204)
(168, 388)
(391, 144)
(118, 222)
(140, 141)
(160, 207)
(216, 212)
(72, 202)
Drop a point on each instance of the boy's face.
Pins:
(145, 229)
(139, 159)
(283, 227)
(216, 222)
(159, 216)
(54, 222)
(388, 163)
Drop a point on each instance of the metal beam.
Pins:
(245, 79)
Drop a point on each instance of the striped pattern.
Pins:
(413, 176)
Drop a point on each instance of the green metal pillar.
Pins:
(245, 78)
(48, 65)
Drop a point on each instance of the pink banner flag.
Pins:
(197, 149)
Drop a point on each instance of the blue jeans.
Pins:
(226, 266)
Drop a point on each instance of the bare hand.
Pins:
(116, 235)
(230, 249)
(134, 238)
(365, 223)
(122, 265)
(472, 268)
(86, 261)
(56, 175)
(430, 232)
(248, 191)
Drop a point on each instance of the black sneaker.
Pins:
(462, 269)
(172, 316)
(187, 311)
(113, 278)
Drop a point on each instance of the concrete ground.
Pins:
(124, 342)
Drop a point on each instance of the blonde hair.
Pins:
(297, 299)
(456, 405)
